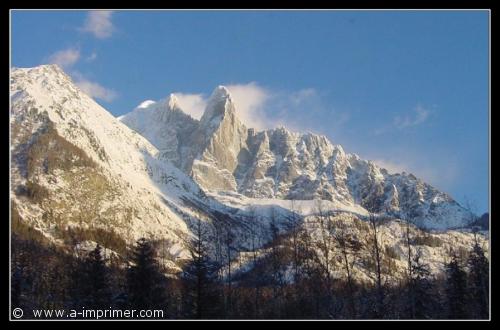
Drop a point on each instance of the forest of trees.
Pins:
(294, 280)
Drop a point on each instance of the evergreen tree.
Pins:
(145, 282)
(420, 287)
(478, 280)
(456, 284)
(201, 298)
(96, 277)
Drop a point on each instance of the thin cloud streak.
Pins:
(98, 23)
(419, 117)
(65, 58)
(93, 89)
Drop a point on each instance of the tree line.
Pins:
(296, 278)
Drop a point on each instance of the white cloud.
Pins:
(99, 24)
(249, 100)
(91, 57)
(303, 95)
(418, 118)
(261, 108)
(65, 58)
(192, 104)
(391, 166)
(93, 89)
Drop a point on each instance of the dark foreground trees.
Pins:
(455, 288)
(286, 283)
(479, 281)
(146, 285)
(201, 292)
(90, 282)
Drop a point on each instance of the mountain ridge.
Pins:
(278, 163)
(74, 165)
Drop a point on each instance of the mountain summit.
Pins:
(221, 154)
(158, 173)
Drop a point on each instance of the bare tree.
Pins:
(349, 248)
(228, 243)
(376, 250)
(294, 229)
(409, 266)
(199, 274)
(276, 258)
(255, 231)
(325, 244)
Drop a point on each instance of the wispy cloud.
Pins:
(261, 108)
(301, 96)
(391, 166)
(419, 116)
(249, 100)
(99, 24)
(192, 104)
(93, 89)
(65, 58)
(91, 57)
(306, 110)
(438, 172)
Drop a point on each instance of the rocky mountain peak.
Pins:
(74, 165)
(219, 106)
(222, 154)
(173, 101)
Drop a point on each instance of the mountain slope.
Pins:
(93, 170)
(223, 155)
(75, 166)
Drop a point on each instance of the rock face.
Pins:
(74, 165)
(222, 154)
(221, 141)
(165, 125)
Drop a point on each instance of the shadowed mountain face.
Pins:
(483, 222)
(221, 154)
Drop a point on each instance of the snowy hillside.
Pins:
(74, 165)
(124, 186)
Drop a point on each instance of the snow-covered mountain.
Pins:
(74, 165)
(222, 155)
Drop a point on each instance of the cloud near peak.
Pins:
(192, 104)
(420, 116)
(93, 89)
(249, 100)
(65, 58)
(262, 108)
(99, 24)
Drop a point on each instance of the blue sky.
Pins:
(408, 89)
